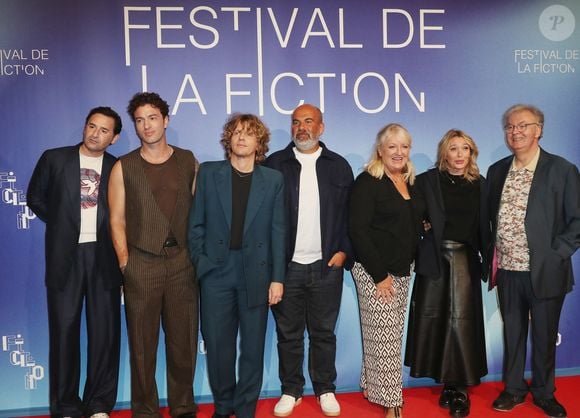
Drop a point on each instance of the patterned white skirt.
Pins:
(382, 327)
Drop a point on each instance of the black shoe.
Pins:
(507, 401)
(459, 406)
(445, 397)
(551, 407)
(187, 415)
(216, 415)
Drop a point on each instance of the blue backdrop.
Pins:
(431, 65)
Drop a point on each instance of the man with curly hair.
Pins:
(236, 242)
(150, 193)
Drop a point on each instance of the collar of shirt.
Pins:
(531, 167)
(303, 156)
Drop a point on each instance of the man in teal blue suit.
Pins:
(236, 242)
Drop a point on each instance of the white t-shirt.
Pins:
(308, 247)
(90, 181)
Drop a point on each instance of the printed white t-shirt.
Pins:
(90, 180)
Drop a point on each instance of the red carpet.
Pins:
(419, 403)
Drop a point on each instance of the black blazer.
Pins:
(55, 197)
(377, 226)
(552, 220)
(428, 262)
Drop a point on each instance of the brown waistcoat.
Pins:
(146, 226)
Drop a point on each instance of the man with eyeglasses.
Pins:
(534, 199)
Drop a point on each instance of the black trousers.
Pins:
(520, 308)
(102, 307)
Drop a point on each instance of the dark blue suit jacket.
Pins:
(335, 180)
(54, 196)
(263, 244)
(552, 220)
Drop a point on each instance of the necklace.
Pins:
(454, 179)
(160, 160)
(241, 174)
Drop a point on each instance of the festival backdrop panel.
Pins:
(431, 65)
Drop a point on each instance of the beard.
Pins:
(305, 145)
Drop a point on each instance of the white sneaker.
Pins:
(286, 405)
(100, 415)
(329, 404)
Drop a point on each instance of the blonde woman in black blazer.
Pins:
(445, 338)
(385, 227)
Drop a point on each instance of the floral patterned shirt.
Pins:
(511, 240)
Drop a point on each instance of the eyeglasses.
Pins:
(520, 128)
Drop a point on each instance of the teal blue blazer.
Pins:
(263, 244)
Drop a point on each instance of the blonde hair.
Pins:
(472, 171)
(375, 166)
(253, 124)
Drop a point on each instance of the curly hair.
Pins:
(252, 124)
(472, 171)
(147, 98)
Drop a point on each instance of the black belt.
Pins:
(170, 242)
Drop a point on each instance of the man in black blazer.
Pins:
(68, 191)
(534, 201)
